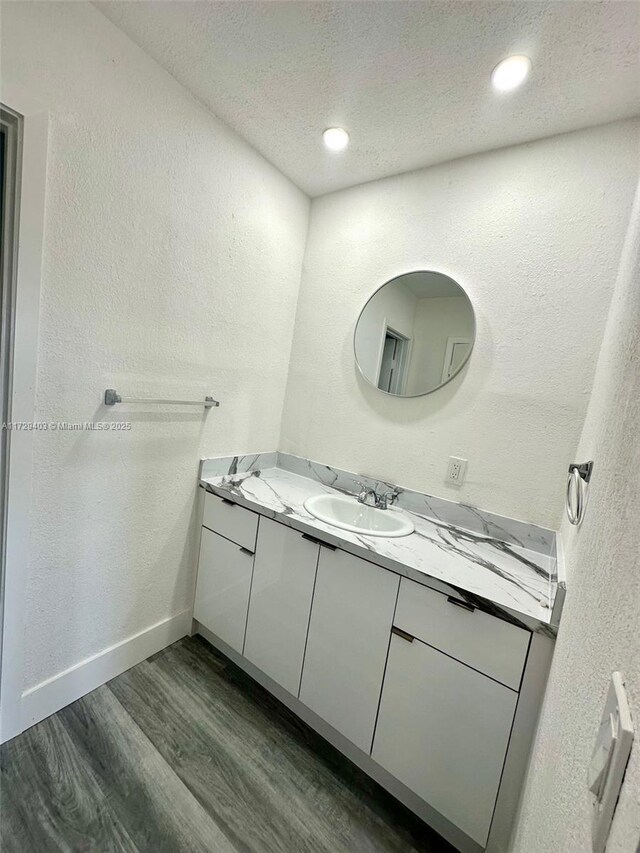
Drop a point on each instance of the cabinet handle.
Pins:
(400, 633)
(463, 604)
(227, 501)
(319, 542)
(247, 551)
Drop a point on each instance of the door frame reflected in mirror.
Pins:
(452, 341)
(397, 375)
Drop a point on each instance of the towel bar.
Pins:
(112, 397)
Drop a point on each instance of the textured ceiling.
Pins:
(408, 80)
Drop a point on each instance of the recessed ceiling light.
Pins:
(336, 138)
(510, 73)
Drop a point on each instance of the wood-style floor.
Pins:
(184, 752)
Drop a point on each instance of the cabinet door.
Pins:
(283, 576)
(222, 590)
(443, 730)
(351, 617)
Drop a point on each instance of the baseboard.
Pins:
(55, 693)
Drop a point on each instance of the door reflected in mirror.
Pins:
(414, 334)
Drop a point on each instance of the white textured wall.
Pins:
(534, 235)
(600, 628)
(171, 267)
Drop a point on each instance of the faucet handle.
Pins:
(387, 499)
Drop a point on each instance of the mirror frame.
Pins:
(453, 375)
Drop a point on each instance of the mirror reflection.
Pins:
(414, 334)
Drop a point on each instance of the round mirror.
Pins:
(414, 334)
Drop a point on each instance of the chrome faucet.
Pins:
(381, 501)
(365, 493)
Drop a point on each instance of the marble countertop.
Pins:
(506, 579)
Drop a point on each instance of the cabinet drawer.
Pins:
(230, 520)
(490, 645)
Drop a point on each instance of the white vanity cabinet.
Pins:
(284, 574)
(433, 697)
(443, 731)
(348, 640)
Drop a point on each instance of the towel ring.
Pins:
(576, 497)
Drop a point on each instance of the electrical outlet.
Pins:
(456, 471)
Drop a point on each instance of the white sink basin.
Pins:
(348, 514)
